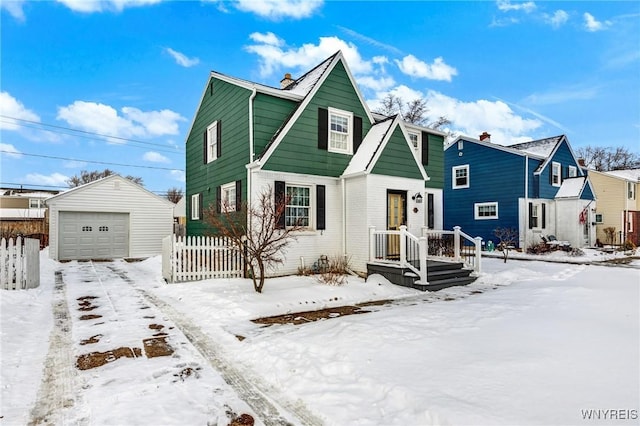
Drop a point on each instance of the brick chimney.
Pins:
(485, 136)
(287, 80)
(581, 162)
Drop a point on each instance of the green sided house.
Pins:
(343, 168)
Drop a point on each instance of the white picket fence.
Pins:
(196, 258)
(19, 263)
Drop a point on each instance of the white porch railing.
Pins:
(199, 258)
(19, 263)
(408, 251)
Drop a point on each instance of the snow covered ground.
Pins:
(530, 342)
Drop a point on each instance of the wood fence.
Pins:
(199, 258)
(19, 263)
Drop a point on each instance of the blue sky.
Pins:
(88, 85)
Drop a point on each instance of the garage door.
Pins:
(84, 235)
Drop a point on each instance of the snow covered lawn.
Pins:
(529, 343)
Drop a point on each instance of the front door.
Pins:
(396, 216)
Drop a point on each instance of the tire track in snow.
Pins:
(57, 392)
(251, 389)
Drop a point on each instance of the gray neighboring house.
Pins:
(108, 218)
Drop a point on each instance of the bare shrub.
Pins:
(336, 272)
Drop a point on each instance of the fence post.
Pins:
(372, 243)
(422, 253)
(478, 266)
(456, 243)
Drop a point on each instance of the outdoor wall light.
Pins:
(417, 198)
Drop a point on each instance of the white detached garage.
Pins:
(108, 218)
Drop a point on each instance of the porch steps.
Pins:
(439, 275)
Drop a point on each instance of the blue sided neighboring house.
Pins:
(537, 188)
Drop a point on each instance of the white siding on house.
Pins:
(357, 222)
(150, 217)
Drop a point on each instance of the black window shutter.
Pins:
(204, 148)
(219, 139)
(218, 199)
(320, 207)
(530, 215)
(200, 205)
(357, 133)
(425, 148)
(544, 215)
(323, 129)
(279, 195)
(238, 194)
(430, 212)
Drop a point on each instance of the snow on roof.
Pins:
(571, 187)
(540, 147)
(632, 174)
(303, 85)
(368, 148)
(9, 213)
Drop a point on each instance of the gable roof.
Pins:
(572, 187)
(100, 181)
(491, 145)
(630, 174)
(372, 146)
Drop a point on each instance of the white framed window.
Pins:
(460, 176)
(573, 171)
(484, 211)
(195, 207)
(631, 190)
(228, 193)
(212, 142)
(35, 203)
(535, 216)
(555, 174)
(414, 138)
(298, 207)
(599, 218)
(340, 134)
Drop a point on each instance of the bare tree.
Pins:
(412, 112)
(604, 159)
(86, 177)
(174, 194)
(258, 230)
(508, 238)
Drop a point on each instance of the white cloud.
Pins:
(11, 108)
(559, 18)
(14, 7)
(279, 9)
(181, 59)
(91, 6)
(178, 175)
(9, 151)
(438, 70)
(74, 164)
(155, 157)
(274, 56)
(54, 179)
(506, 6)
(377, 84)
(371, 41)
(593, 25)
(562, 96)
(133, 123)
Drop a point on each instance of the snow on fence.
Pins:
(198, 258)
(19, 263)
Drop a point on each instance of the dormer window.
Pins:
(555, 174)
(340, 135)
(573, 171)
(415, 140)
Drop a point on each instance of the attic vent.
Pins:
(287, 80)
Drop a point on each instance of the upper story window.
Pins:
(485, 211)
(195, 207)
(298, 207)
(35, 203)
(340, 134)
(555, 174)
(573, 171)
(229, 197)
(460, 176)
(212, 142)
(631, 190)
(415, 140)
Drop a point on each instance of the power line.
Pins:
(37, 124)
(90, 161)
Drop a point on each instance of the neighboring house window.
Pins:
(535, 211)
(599, 218)
(195, 207)
(573, 171)
(631, 190)
(212, 142)
(537, 215)
(229, 197)
(630, 221)
(298, 207)
(486, 211)
(460, 175)
(340, 136)
(415, 141)
(35, 203)
(555, 174)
